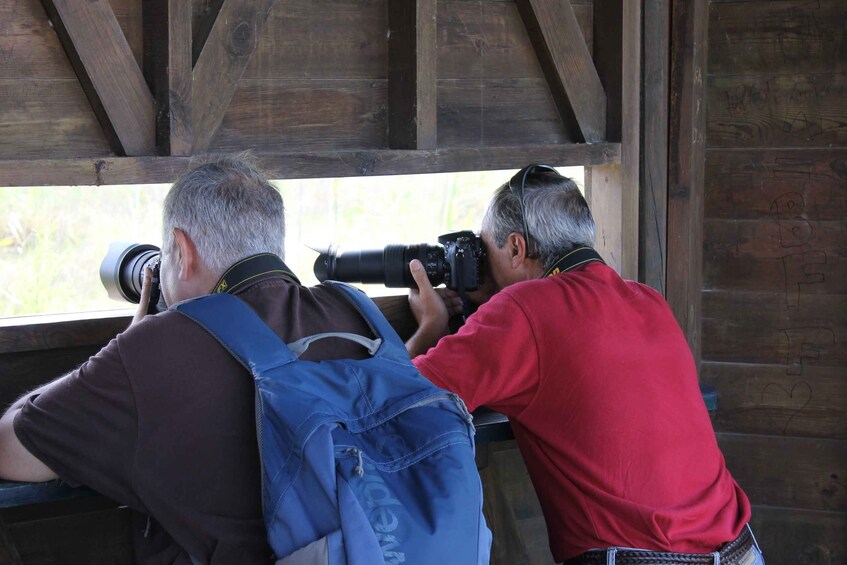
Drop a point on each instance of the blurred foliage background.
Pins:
(53, 239)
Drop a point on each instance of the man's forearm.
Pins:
(16, 462)
(425, 337)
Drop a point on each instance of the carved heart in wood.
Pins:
(782, 404)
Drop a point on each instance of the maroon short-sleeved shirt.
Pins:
(601, 389)
(162, 420)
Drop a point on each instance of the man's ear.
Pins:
(516, 244)
(186, 255)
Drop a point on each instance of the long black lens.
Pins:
(389, 266)
(122, 270)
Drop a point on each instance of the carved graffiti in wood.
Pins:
(802, 269)
(805, 345)
(782, 404)
(794, 229)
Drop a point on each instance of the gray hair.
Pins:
(228, 209)
(557, 216)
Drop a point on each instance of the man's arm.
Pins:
(16, 462)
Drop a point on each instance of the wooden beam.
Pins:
(210, 11)
(603, 191)
(630, 137)
(613, 192)
(63, 172)
(653, 238)
(168, 68)
(108, 72)
(412, 56)
(225, 54)
(607, 21)
(567, 64)
(686, 166)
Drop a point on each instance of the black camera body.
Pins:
(458, 262)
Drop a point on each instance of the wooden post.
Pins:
(653, 223)
(412, 57)
(613, 190)
(687, 151)
(689, 19)
(167, 66)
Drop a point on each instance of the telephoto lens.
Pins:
(388, 266)
(122, 270)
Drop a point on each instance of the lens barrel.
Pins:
(388, 266)
(122, 269)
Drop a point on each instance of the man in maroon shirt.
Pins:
(162, 419)
(598, 383)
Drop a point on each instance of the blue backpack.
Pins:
(364, 462)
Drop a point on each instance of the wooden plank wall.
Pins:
(774, 300)
(316, 81)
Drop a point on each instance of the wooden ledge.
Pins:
(142, 170)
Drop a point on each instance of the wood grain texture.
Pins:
(759, 328)
(763, 399)
(322, 39)
(794, 36)
(29, 48)
(556, 36)
(489, 40)
(608, 59)
(47, 118)
(789, 536)
(507, 545)
(231, 41)
(26, 334)
(129, 14)
(498, 112)
(687, 121)
(788, 472)
(631, 135)
(396, 310)
(770, 184)
(604, 195)
(793, 258)
(653, 202)
(305, 115)
(308, 165)
(412, 61)
(168, 68)
(108, 72)
(796, 110)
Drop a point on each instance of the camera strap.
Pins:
(576, 258)
(253, 268)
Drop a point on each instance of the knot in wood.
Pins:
(241, 39)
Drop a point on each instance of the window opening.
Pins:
(52, 239)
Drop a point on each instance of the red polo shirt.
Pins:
(602, 393)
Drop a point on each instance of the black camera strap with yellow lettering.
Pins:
(251, 269)
(576, 258)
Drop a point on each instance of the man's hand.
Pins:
(144, 302)
(432, 310)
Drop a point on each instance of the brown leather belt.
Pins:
(730, 554)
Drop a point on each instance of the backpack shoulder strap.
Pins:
(392, 347)
(240, 330)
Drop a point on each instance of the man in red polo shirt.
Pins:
(598, 383)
